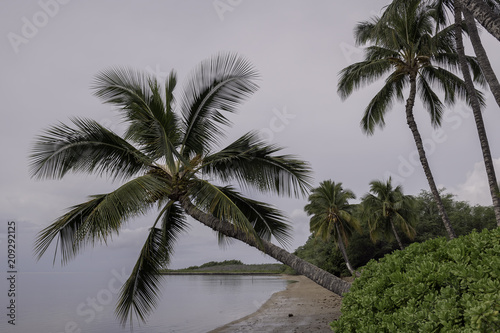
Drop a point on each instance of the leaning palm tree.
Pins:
(166, 162)
(333, 215)
(386, 208)
(441, 6)
(487, 16)
(405, 48)
(478, 117)
(482, 56)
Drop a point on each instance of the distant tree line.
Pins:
(217, 263)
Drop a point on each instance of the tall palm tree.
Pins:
(478, 117)
(441, 7)
(332, 215)
(166, 161)
(387, 207)
(475, 102)
(483, 13)
(482, 56)
(406, 50)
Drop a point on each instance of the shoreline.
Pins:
(302, 307)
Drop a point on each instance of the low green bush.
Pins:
(435, 286)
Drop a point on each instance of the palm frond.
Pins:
(366, 31)
(361, 74)
(214, 200)
(87, 148)
(142, 105)
(430, 100)
(140, 293)
(173, 223)
(254, 163)
(477, 73)
(217, 85)
(375, 52)
(382, 102)
(96, 220)
(266, 220)
(450, 84)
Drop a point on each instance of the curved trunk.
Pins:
(397, 236)
(478, 117)
(340, 243)
(423, 158)
(321, 277)
(483, 14)
(482, 57)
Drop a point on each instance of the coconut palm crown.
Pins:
(403, 45)
(166, 161)
(332, 215)
(387, 207)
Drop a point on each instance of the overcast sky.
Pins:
(50, 52)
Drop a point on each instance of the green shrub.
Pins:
(435, 286)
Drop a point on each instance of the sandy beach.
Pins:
(303, 307)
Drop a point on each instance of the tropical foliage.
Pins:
(436, 286)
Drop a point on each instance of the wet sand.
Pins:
(302, 308)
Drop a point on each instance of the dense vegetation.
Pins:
(435, 286)
(361, 249)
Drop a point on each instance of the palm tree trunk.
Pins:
(316, 274)
(483, 14)
(478, 117)
(410, 102)
(482, 57)
(340, 243)
(397, 236)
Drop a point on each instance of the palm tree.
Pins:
(406, 50)
(441, 6)
(332, 215)
(482, 57)
(165, 161)
(387, 207)
(474, 99)
(483, 13)
(478, 117)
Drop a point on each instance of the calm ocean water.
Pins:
(84, 302)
